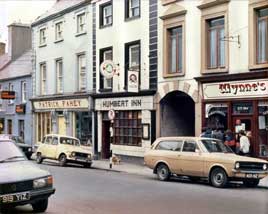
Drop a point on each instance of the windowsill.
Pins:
(80, 91)
(169, 75)
(81, 33)
(166, 2)
(258, 66)
(215, 70)
(105, 90)
(105, 26)
(59, 40)
(128, 19)
(43, 45)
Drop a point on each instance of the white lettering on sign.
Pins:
(62, 104)
(239, 89)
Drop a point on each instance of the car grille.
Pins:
(16, 187)
(81, 155)
(251, 166)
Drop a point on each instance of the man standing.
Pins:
(244, 143)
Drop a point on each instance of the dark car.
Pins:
(26, 148)
(22, 182)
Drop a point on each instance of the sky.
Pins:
(24, 11)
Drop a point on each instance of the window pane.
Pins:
(134, 56)
(175, 50)
(221, 48)
(263, 12)
(180, 52)
(262, 41)
(213, 49)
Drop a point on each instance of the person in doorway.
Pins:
(208, 133)
(230, 140)
(217, 134)
(244, 143)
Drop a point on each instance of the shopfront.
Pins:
(126, 125)
(238, 105)
(70, 116)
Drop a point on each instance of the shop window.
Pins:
(132, 8)
(106, 54)
(243, 108)
(263, 129)
(262, 36)
(216, 115)
(43, 121)
(83, 129)
(128, 128)
(106, 14)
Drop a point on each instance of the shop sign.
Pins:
(108, 69)
(125, 103)
(111, 114)
(238, 89)
(8, 95)
(61, 104)
(20, 109)
(133, 81)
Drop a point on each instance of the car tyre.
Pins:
(251, 183)
(163, 172)
(87, 165)
(62, 160)
(218, 178)
(40, 206)
(39, 158)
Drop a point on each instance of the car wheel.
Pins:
(218, 178)
(40, 206)
(62, 160)
(39, 158)
(251, 183)
(194, 179)
(87, 165)
(163, 172)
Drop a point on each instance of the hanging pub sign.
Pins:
(8, 95)
(108, 69)
(20, 109)
(133, 81)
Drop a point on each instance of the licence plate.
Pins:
(252, 175)
(81, 159)
(11, 198)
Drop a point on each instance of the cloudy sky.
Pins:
(24, 11)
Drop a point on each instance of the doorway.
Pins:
(106, 139)
(61, 125)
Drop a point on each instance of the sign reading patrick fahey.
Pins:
(61, 104)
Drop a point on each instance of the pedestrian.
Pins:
(244, 143)
(230, 140)
(203, 131)
(217, 134)
(208, 133)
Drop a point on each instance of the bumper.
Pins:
(79, 160)
(241, 174)
(35, 195)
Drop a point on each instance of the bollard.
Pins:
(111, 162)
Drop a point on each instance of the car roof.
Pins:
(58, 135)
(183, 138)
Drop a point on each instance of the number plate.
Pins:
(252, 175)
(11, 198)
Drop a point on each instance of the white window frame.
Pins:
(130, 56)
(105, 16)
(82, 76)
(11, 88)
(42, 36)
(107, 83)
(81, 23)
(59, 76)
(43, 78)
(59, 31)
(23, 91)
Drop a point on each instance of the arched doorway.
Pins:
(177, 115)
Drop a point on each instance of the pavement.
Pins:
(137, 169)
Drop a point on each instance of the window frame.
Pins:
(78, 24)
(23, 91)
(58, 77)
(57, 38)
(42, 36)
(11, 88)
(79, 69)
(43, 83)
(102, 78)
(101, 14)
(128, 8)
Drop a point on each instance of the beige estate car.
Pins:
(65, 149)
(203, 158)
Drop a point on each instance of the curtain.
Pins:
(262, 41)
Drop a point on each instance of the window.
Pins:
(42, 36)
(10, 88)
(43, 121)
(81, 28)
(106, 14)
(105, 54)
(48, 140)
(59, 78)
(127, 128)
(43, 78)
(82, 72)
(189, 146)
(23, 92)
(216, 43)
(21, 129)
(58, 31)
(262, 36)
(175, 50)
(54, 141)
(132, 8)
(83, 127)
(170, 145)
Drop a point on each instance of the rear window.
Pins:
(169, 145)
(69, 141)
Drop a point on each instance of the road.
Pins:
(80, 190)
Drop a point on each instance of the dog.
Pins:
(116, 160)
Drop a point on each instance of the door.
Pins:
(52, 148)
(61, 125)
(106, 140)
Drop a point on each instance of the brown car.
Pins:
(197, 158)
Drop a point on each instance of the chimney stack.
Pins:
(19, 39)
(2, 48)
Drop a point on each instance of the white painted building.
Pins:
(62, 42)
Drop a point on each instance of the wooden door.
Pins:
(106, 139)
(61, 125)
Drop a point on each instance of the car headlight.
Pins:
(237, 165)
(43, 182)
(89, 156)
(264, 166)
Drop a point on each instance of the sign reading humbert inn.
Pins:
(61, 104)
(236, 89)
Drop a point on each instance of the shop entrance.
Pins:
(106, 139)
(61, 125)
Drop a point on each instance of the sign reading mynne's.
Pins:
(131, 103)
(62, 104)
(236, 89)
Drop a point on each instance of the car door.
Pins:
(191, 159)
(52, 150)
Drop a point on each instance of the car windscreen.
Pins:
(215, 146)
(17, 139)
(69, 141)
(9, 151)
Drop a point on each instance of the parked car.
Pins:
(26, 148)
(65, 149)
(203, 158)
(22, 182)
